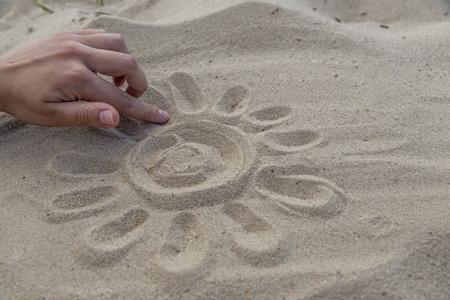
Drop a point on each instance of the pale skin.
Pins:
(55, 83)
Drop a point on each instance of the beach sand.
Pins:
(307, 157)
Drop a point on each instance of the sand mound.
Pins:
(384, 11)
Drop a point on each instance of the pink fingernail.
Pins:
(163, 116)
(106, 118)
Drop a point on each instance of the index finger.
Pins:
(99, 90)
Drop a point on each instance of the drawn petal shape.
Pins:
(284, 142)
(131, 127)
(187, 94)
(81, 204)
(80, 164)
(155, 98)
(266, 118)
(234, 102)
(271, 114)
(255, 242)
(301, 194)
(185, 247)
(108, 243)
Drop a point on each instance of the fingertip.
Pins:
(106, 118)
(163, 116)
(119, 81)
(109, 118)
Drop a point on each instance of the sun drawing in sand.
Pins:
(202, 168)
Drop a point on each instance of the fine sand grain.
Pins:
(307, 156)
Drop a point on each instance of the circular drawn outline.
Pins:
(211, 192)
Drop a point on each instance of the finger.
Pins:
(88, 31)
(103, 91)
(81, 113)
(105, 41)
(118, 64)
(119, 81)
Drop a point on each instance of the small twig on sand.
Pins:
(43, 6)
(100, 2)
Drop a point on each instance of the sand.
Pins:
(307, 157)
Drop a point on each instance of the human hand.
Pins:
(54, 82)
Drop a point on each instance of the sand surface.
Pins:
(307, 156)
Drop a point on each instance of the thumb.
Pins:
(93, 114)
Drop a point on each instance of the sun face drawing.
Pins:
(206, 161)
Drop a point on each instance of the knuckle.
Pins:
(118, 40)
(52, 115)
(71, 49)
(84, 116)
(76, 74)
(150, 110)
(152, 114)
(50, 112)
(61, 35)
(126, 103)
(129, 61)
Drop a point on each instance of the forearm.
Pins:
(5, 84)
(43, 83)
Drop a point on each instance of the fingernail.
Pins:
(163, 116)
(106, 118)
